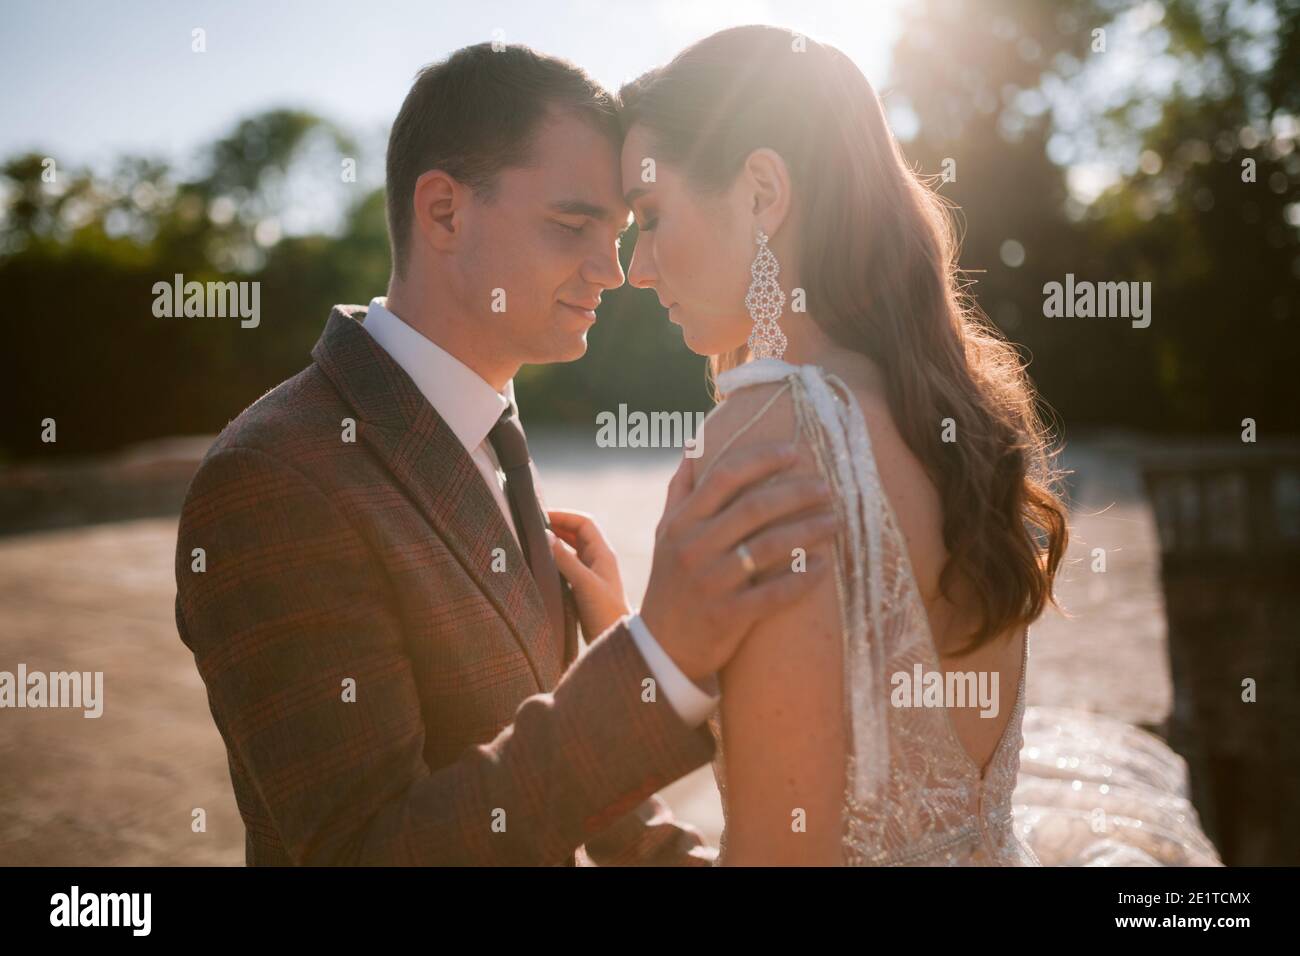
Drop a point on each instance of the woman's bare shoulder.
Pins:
(755, 415)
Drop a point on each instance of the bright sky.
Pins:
(86, 80)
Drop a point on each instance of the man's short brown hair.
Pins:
(477, 113)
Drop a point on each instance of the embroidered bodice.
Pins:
(913, 795)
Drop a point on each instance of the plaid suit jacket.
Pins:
(385, 695)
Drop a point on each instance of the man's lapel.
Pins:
(422, 452)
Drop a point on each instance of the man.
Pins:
(389, 653)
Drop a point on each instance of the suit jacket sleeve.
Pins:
(648, 836)
(294, 606)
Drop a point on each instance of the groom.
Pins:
(363, 572)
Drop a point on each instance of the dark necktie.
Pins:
(507, 438)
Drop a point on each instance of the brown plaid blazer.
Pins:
(339, 570)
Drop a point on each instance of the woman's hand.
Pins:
(589, 564)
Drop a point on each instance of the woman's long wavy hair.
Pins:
(878, 264)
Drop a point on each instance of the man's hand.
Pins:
(590, 565)
(701, 600)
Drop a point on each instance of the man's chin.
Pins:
(579, 349)
(569, 350)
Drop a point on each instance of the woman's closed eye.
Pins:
(646, 221)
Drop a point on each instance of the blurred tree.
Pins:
(79, 258)
(1212, 216)
(1016, 94)
(1013, 91)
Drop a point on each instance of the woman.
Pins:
(781, 227)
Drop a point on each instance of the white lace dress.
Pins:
(1090, 790)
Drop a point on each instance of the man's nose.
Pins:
(607, 271)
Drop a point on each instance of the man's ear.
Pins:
(439, 209)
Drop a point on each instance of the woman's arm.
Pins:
(782, 726)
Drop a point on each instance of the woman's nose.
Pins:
(640, 271)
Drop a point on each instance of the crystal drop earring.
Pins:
(765, 301)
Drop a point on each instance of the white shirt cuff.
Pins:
(692, 705)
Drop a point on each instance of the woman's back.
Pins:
(918, 510)
(924, 778)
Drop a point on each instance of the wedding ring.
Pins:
(746, 560)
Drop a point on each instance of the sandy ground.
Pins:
(122, 789)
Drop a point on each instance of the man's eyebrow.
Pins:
(632, 194)
(580, 207)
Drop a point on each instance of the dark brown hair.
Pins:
(476, 113)
(878, 263)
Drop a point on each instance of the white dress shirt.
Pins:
(470, 407)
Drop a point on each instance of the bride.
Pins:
(781, 227)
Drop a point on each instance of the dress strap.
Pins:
(828, 414)
(758, 372)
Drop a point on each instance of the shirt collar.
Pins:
(467, 403)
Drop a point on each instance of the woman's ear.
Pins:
(767, 188)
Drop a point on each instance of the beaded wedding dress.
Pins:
(1062, 787)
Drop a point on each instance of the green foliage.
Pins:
(988, 83)
(1222, 257)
